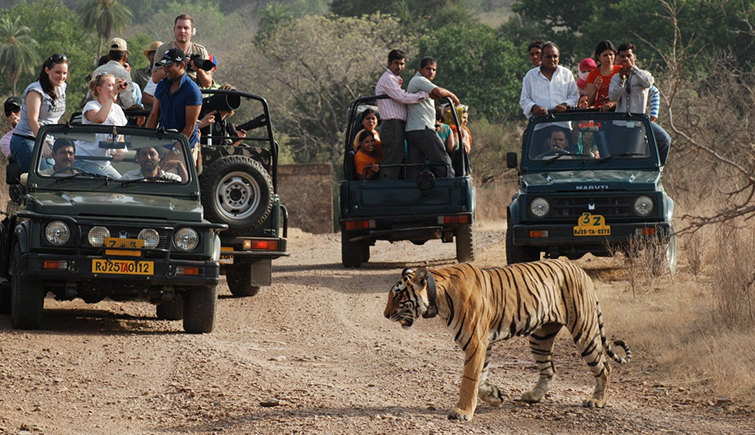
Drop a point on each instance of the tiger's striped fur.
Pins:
(483, 306)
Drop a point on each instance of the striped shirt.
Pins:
(654, 95)
(395, 107)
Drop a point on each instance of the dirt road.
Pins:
(311, 354)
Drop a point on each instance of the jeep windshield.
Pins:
(589, 139)
(68, 156)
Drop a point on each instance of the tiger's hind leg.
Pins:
(541, 345)
(488, 392)
(594, 355)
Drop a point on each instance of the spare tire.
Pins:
(238, 191)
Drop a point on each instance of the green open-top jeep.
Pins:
(588, 182)
(78, 233)
(417, 210)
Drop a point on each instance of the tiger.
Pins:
(483, 306)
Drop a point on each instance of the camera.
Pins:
(205, 64)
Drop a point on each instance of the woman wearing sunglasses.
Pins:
(44, 102)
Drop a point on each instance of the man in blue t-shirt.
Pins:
(178, 99)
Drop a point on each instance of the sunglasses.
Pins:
(57, 57)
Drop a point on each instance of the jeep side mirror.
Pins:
(511, 160)
(13, 174)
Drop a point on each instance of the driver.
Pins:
(63, 153)
(152, 166)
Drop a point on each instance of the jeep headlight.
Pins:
(151, 237)
(643, 205)
(186, 239)
(539, 207)
(57, 233)
(97, 236)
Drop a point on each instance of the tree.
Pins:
(314, 67)
(273, 17)
(106, 17)
(18, 50)
(483, 70)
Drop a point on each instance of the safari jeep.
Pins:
(588, 182)
(238, 187)
(417, 210)
(76, 233)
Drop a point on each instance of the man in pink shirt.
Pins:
(393, 114)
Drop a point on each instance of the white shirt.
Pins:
(136, 174)
(538, 90)
(115, 117)
(395, 107)
(421, 115)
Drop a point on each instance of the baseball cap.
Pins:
(214, 60)
(119, 44)
(11, 105)
(172, 56)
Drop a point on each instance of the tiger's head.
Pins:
(407, 299)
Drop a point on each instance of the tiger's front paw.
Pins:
(533, 396)
(458, 414)
(594, 403)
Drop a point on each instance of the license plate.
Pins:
(123, 267)
(592, 225)
(226, 258)
(117, 242)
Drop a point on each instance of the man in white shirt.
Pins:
(548, 88)
(393, 114)
(629, 88)
(149, 160)
(424, 142)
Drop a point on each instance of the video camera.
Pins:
(205, 64)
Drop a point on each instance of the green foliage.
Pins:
(18, 50)
(54, 28)
(483, 70)
(314, 67)
(105, 17)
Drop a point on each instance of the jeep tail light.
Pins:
(55, 264)
(644, 232)
(538, 234)
(463, 219)
(265, 245)
(359, 225)
(183, 270)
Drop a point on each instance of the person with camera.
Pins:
(102, 110)
(178, 100)
(198, 64)
(118, 56)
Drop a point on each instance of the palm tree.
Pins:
(106, 16)
(17, 50)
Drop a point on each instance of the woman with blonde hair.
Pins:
(102, 110)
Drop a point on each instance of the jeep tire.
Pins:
(518, 254)
(27, 297)
(171, 310)
(352, 253)
(236, 190)
(464, 235)
(200, 304)
(239, 279)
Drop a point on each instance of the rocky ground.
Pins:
(312, 354)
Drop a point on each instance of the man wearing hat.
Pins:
(12, 108)
(183, 30)
(118, 56)
(141, 76)
(178, 99)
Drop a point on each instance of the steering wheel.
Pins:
(67, 168)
